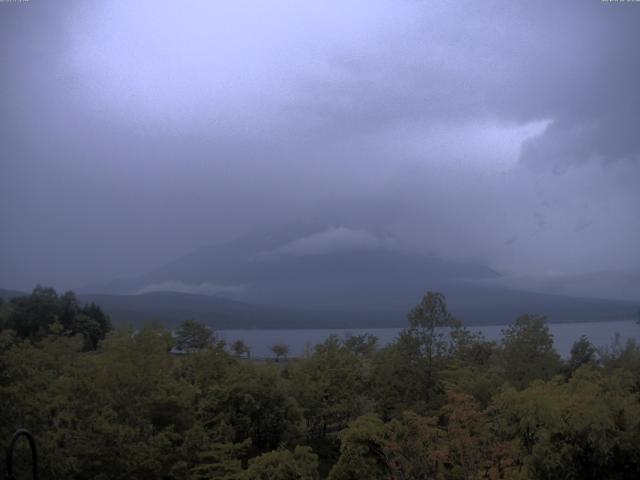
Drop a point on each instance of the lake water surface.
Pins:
(564, 334)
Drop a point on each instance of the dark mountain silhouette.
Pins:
(330, 268)
(310, 275)
(477, 305)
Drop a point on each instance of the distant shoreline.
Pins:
(393, 327)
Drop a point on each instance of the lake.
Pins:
(564, 334)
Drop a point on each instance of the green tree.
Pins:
(301, 464)
(95, 313)
(221, 461)
(32, 314)
(280, 350)
(428, 321)
(399, 379)
(362, 345)
(89, 329)
(252, 403)
(240, 348)
(33, 317)
(471, 348)
(6, 311)
(362, 451)
(586, 428)
(582, 353)
(330, 385)
(407, 374)
(527, 351)
(192, 336)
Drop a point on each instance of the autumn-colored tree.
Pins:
(468, 435)
(416, 447)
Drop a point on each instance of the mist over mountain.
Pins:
(494, 154)
(509, 138)
(322, 275)
(320, 240)
(306, 266)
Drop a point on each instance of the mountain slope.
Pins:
(475, 305)
(334, 268)
(319, 276)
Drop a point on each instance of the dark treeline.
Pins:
(440, 402)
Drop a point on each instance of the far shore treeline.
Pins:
(440, 402)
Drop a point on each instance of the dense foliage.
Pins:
(44, 312)
(438, 403)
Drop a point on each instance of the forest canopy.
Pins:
(440, 402)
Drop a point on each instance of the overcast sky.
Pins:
(133, 132)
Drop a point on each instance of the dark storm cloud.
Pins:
(574, 64)
(595, 118)
(133, 132)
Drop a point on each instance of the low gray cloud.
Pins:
(135, 132)
(619, 284)
(204, 288)
(331, 240)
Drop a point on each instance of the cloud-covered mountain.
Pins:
(500, 131)
(308, 267)
(354, 276)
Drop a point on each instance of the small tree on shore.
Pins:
(280, 350)
(240, 348)
(192, 335)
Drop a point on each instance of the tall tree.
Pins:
(428, 321)
(192, 335)
(330, 385)
(527, 351)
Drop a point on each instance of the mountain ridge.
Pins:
(327, 275)
(314, 268)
